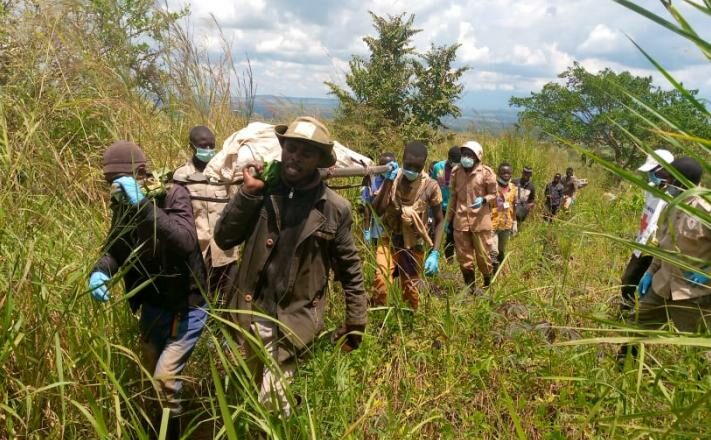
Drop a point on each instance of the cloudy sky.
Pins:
(513, 47)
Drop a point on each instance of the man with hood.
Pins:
(653, 207)
(472, 191)
(208, 201)
(153, 245)
(293, 230)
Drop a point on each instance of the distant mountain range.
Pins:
(271, 107)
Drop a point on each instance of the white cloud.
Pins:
(524, 55)
(469, 51)
(601, 39)
(510, 44)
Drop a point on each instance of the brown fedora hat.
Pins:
(312, 131)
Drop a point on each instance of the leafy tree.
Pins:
(396, 91)
(602, 112)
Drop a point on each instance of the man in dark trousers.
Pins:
(554, 197)
(294, 230)
(153, 243)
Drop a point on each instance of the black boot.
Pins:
(174, 429)
(470, 280)
(487, 281)
(469, 276)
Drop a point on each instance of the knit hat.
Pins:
(124, 157)
(312, 131)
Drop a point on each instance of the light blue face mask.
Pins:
(467, 162)
(653, 179)
(205, 154)
(410, 175)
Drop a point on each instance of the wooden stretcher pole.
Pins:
(332, 173)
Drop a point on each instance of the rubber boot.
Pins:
(487, 281)
(174, 429)
(470, 280)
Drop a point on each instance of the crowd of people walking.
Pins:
(265, 249)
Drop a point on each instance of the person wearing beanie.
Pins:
(208, 200)
(472, 191)
(653, 207)
(293, 230)
(152, 245)
(442, 173)
(404, 203)
(669, 292)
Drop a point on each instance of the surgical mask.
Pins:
(204, 154)
(653, 179)
(503, 182)
(410, 175)
(674, 191)
(467, 162)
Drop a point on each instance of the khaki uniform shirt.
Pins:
(464, 188)
(421, 195)
(503, 211)
(687, 235)
(208, 201)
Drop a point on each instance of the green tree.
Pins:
(396, 91)
(602, 112)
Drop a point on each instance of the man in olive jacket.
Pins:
(293, 229)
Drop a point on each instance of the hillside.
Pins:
(271, 107)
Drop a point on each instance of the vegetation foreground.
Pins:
(491, 367)
(534, 358)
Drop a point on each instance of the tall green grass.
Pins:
(462, 367)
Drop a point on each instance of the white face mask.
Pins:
(467, 162)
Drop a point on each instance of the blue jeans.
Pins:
(167, 340)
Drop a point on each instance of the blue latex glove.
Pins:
(391, 174)
(645, 283)
(366, 235)
(97, 284)
(432, 264)
(695, 278)
(130, 187)
(478, 202)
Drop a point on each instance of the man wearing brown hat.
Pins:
(208, 200)
(294, 230)
(152, 245)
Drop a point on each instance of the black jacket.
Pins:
(156, 249)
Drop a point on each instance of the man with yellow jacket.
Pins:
(503, 213)
(472, 190)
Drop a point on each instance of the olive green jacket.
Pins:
(325, 243)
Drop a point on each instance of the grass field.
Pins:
(533, 358)
(462, 367)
